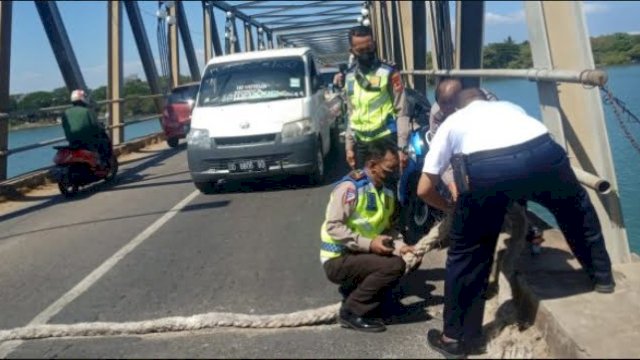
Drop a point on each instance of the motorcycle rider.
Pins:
(82, 129)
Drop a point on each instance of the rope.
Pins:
(319, 316)
(620, 109)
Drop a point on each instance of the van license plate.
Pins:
(247, 165)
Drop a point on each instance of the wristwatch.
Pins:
(404, 149)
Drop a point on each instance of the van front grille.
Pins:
(245, 140)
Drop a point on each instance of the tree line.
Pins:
(614, 49)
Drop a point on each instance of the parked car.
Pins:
(176, 116)
(259, 113)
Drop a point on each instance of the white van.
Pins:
(259, 113)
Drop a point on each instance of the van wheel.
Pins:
(317, 175)
(173, 142)
(205, 187)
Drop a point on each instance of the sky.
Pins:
(33, 65)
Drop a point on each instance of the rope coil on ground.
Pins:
(324, 315)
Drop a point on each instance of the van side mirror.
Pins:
(315, 84)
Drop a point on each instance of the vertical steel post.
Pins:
(183, 26)
(270, 41)
(432, 34)
(469, 36)
(174, 49)
(396, 35)
(206, 30)
(248, 38)
(59, 40)
(235, 43)
(564, 34)
(376, 21)
(405, 38)
(6, 8)
(387, 40)
(146, 56)
(217, 47)
(419, 34)
(114, 82)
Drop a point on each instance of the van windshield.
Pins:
(253, 81)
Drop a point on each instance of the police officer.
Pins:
(375, 100)
(492, 170)
(358, 250)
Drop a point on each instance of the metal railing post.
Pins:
(190, 53)
(174, 49)
(114, 83)
(6, 8)
(560, 40)
(469, 36)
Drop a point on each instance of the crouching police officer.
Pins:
(356, 250)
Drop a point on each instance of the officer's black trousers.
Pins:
(538, 171)
(366, 277)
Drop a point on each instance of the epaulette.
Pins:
(357, 175)
(389, 65)
(351, 68)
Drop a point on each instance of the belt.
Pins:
(509, 150)
(335, 248)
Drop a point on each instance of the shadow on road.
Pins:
(195, 207)
(153, 161)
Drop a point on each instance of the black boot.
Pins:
(451, 350)
(360, 323)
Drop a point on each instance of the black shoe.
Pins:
(604, 286)
(451, 350)
(360, 323)
(475, 347)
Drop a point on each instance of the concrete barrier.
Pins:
(18, 186)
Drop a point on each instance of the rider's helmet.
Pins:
(79, 95)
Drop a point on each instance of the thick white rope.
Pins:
(318, 316)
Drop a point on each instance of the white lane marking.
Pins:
(47, 314)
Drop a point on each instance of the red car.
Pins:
(176, 116)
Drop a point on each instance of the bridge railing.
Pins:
(588, 77)
(61, 108)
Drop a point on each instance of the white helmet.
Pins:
(79, 96)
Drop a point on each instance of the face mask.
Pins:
(366, 59)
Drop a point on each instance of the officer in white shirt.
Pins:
(500, 155)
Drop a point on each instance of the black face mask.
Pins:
(366, 60)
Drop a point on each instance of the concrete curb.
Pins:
(18, 186)
(533, 311)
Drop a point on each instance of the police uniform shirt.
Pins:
(479, 126)
(340, 208)
(400, 104)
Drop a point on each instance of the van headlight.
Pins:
(199, 138)
(296, 129)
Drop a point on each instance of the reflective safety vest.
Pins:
(371, 216)
(373, 115)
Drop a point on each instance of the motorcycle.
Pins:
(417, 216)
(76, 167)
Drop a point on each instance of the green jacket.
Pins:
(81, 124)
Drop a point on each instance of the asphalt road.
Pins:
(251, 248)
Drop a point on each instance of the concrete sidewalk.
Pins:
(555, 295)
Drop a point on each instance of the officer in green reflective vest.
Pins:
(359, 249)
(375, 100)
